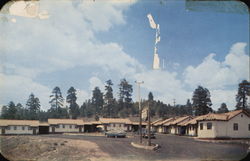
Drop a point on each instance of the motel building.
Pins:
(65, 125)
(235, 124)
(191, 126)
(19, 127)
(162, 125)
(116, 124)
(175, 128)
(156, 125)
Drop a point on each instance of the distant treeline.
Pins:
(104, 104)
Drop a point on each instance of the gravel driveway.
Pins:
(172, 148)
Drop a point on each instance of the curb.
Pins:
(145, 146)
(82, 134)
(224, 141)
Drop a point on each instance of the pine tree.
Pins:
(33, 105)
(56, 98)
(223, 108)
(12, 110)
(125, 100)
(5, 112)
(243, 92)
(188, 108)
(201, 101)
(73, 106)
(89, 111)
(56, 103)
(97, 100)
(83, 110)
(20, 111)
(109, 101)
(150, 96)
(151, 103)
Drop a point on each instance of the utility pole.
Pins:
(174, 102)
(140, 110)
(149, 126)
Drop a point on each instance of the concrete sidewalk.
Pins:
(228, 141)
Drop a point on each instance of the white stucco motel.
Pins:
(19, 127)
(235, 124)
(65, 125)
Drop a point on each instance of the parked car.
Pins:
(145, 134)
(115, 134)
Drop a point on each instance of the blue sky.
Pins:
(84, 43)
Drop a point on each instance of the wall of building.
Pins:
(19, 130)
(119, 127)
(206, 133)
(65, 128)
(225, 129)
(160, 129)
(191, 130)
(172, 129)
(165, 129)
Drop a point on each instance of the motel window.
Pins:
(70, 126)
(8, 128)
(201, 126)
(209, 125)
(29, 128)
(113, 125)
(235, 127)
(23, 128)
(14, 127)
(63, 126)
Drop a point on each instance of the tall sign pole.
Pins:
(140, 110)
(153, 25)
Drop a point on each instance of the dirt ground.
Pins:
(92, 147)
(49, 149)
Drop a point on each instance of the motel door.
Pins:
(53, 129)
(3, 131)
(34, 131)
(196, 130)
(80, 129)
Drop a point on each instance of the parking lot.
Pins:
(172, 148)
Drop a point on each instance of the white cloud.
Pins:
(66, 40)
(165, 84)
(214, 74)
(81, 96)
(176, 65)
(217, 76)
(18, 88)
(227, 96)
(95, 82)
(53, 46)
